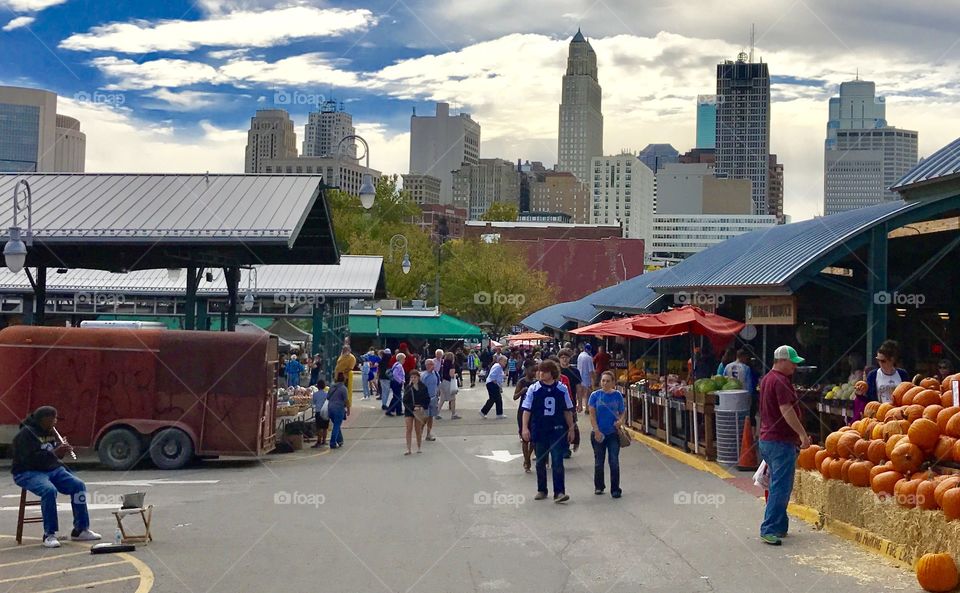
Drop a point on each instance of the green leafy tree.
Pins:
(491, 282)
(501, 212)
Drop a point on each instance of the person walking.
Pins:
(473, 365)
(431, 380)
(322, 417)
(386, 364)
(415, 404)
(346, 362)
(338, 407)
(601, 363)
(364, 372)
(495, 388)
(529, 378)
(448, 387)
(512, 370)
(781, 432)
(587, 371)
(398, 378)
(460, 359)
(374, 359)
(315, 368)
(293, 371)
(37, 467)
(548, 424)
(606, 407)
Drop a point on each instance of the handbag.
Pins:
(419, 414)
(624, 437)
(453, 387)
(324, 411)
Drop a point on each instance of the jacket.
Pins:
(33, 449)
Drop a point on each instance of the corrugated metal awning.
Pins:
(940, 166)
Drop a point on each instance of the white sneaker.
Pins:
(501, 416)
(51, 541)
(482, 415)
(85, 536)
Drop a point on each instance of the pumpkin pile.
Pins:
(895, 447)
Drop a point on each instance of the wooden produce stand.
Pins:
(689, 425)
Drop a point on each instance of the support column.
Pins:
(190, 303)
(40, 292)
(203, 318)
(318, 310)
(878, 294)
(232, 276)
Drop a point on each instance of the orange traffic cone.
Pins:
(748, 451)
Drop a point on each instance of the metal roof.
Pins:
(357, 276)
(766, 259)
(554, 314)
(632, 296)
(153, 219)
(940, 166)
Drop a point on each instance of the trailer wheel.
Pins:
(120, 449)
(171, 448)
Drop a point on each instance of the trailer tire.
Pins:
(120, 449)
(171, 448)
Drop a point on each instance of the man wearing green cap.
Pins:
(781, 432)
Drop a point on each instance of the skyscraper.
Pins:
(623, 193)
(34, 137)
(441, 144)
(706, 121)
(775, 189)
(271, 136)
(476, 187)
(326, 128)
(656, 156)
(863, 156)
(743, 125)
(581, 119)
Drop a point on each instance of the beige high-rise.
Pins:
(581, 120)
(560, 191)
(34, 137)
(476, 187)
(271, 136)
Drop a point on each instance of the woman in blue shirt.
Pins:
(606, 414)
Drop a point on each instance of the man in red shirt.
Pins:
(601, 362)
(781, 432)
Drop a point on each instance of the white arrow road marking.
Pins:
(157, 482)
(502, 456)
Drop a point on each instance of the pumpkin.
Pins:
(894, 414)
(930, 412)
(883, 483)
(953, 426)
(950, 503)
(891, 429)
(824, 467)
(879, 469)
(944, 449)
(807, 457)
(906, 457)
(882, 411)
(945, 484)
(847, 443)
(944, 415)
(926, 495)
(845, 469)
(877, 451)
(830, 444)
(937, 573)
(947, 382)
(859, 473)
(818, 458)
(892, 442)
(871, 410)
(835, 469)
(924, 434)
(946, 399)
(877, 433)
(905, 493)
(956, 451)
(930, 383)
(913, 412)
(907, 398)
(927, 397)
(861, 447)
(900, 389)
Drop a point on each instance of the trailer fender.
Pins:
(147, 427)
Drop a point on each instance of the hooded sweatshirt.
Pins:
(33, 448)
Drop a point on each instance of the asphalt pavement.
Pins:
(456, 518)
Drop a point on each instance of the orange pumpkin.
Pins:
(818, 458)
(871, 410)
(877, 452)
(945, 484)
(944, 449)
(892, 442)
(835, 469)
(926, 494)
(830, 443)
(847, 443)
(924, 434)
(927, 397)
(930, 412)
(907, 398)
(905, 493)
(860, 448)
(883, 483)
(956, 451)
(883, 410)
(947, 382)
(879, 469)
(950, 503)
(913, 412)
(877, 431)
(807, 457)
(946, 399)
(894, 414)
(859, 473)
(953, 426)
(906, 457)
(930, 383)
(824, 467)
(944, 416)
(937, 573)
(900, 389)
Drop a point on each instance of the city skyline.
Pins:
(142, 86)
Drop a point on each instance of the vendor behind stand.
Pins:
(882, 381)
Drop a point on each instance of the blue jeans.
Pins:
(781, 461)
(556, 447)
(293, 380)
(365, 380)
(611, 445)
(46, 485)
(396, 402)
(336, 418)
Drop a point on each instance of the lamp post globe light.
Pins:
(15, 251)
(405, 266)
(368, 191)
(399, 241)
(248, 299)
(378, 313)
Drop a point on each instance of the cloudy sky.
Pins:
(170, 86)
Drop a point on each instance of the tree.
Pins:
(501, 212)
(369, 232)
(491, 282)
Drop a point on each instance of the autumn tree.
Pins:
(501, 212)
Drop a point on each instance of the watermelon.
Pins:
(705, 385)
(732, 384)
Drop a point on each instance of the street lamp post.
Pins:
(378, 312)
(399, 241)
(15, 251)
(368, 191)
(248, 298)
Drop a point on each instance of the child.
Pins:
(548, 424)
(323, 421)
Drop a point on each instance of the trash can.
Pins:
(733, 408)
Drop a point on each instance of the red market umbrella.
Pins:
(527, 337)
(615, 327)
(717, 328)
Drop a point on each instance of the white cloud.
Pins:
(309, 70)
(236, 29)
(29, 5)
(132, 75)
(19, 22)
(185, 100)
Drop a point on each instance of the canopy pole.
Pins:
(190, 303)
(878, 298)
(40, 302)
(232, 276)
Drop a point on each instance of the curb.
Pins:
(898, 554)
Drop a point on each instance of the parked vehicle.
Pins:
(130, 394)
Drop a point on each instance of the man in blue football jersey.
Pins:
(548, 424)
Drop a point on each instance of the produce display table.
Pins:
(302, 416)
(687, 425)
(830, 416)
